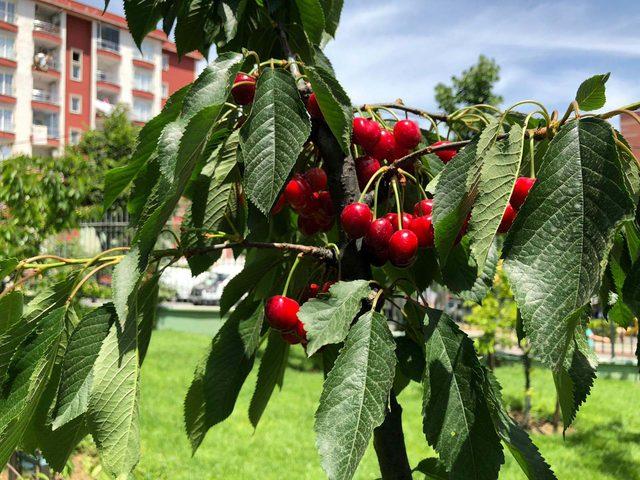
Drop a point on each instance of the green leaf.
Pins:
(484, 281)
(332, 10)
(118, 179)
(630, 290)
(231, 13)
(515, 438)
(147, 305)
(591, 93)
(256, 266)
(456, 419)
(334, 104)
(31, 372)
(327, 319)
(142, 17)
(270, 374)
(456, 190)
(354, 395)
(312, 18)
(555, 251)
(432, 468)
(217, 382)
(272, 137)
(250, 316)
(497, 177)
(575, 377)
(7, 265)
(112, 412)
(192, 17)
(78, 363)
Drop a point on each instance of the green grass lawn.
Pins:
(605, 443)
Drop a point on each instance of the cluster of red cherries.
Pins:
(282, 313)
(307, 195)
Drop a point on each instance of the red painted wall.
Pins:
(180, 73)
(78, 37)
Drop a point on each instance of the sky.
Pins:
(386, 50)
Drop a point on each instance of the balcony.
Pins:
(8, 21)
(46, 65)
(45, 100)
(108, 45)
(46, 33)
(46, 26)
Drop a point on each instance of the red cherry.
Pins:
(326, 286)
(313, 108)
(423, 228)
(365, 168)
(446, 154)
(325, 203)
(366, 132)
(310, 292)
(378, 235)
(324, 222)
(423, 207)
(407, 134)
(316, 178)
(386, 147)
(403, 247)
(398, 153)
(521, 191)
(508, 217)
(407, 218)
(308, 226)
(297, 192)
(282, 312)
(355, 219)
(243, 94)
(280, 203)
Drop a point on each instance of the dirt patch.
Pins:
(542, 426)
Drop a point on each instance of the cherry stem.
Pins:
(378, 173)
(396, 193)
(293, 269)
(375, 197)
(411, 177)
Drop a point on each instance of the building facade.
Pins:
(64, 65)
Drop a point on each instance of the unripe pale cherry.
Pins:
(282, 312)
(403, 247)
(316, 177)
(521, 190)
(407, 134)
(366, 132)
(313, 108)
(355, 219)
(445, 154)
(386, 148)
(508, 217)
(242, 92)
(298, 192)
(423, 207)
(366, 167)
(423, 228)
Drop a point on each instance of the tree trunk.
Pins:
(526, 363)
(556, 416)
(388, 441)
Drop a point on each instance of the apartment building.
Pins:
(64, 65)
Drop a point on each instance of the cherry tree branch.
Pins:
(441, 117)
(321, 253)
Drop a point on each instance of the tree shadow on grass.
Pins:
(607, 446)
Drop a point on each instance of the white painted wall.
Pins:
(23, 81)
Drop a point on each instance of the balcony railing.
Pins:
(108, 45)
(106, 77)
(44, 63)
(141, 116)
(7, 53)
(6, 127)
(7, 89)
(46, 26)
(7, 16)
(44, 96)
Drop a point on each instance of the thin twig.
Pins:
(441, 117)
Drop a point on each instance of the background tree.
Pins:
(274, 120)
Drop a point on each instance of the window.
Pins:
(7, 45)
(75, 136)
(141, 110)
(146, 51)
(5, 151)
(165, 62)
(108, 38)
(75, 104)
(165, 90)
(6, 83)
(76, 65)
(7, 11)
(6, 120)
(142, 80)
